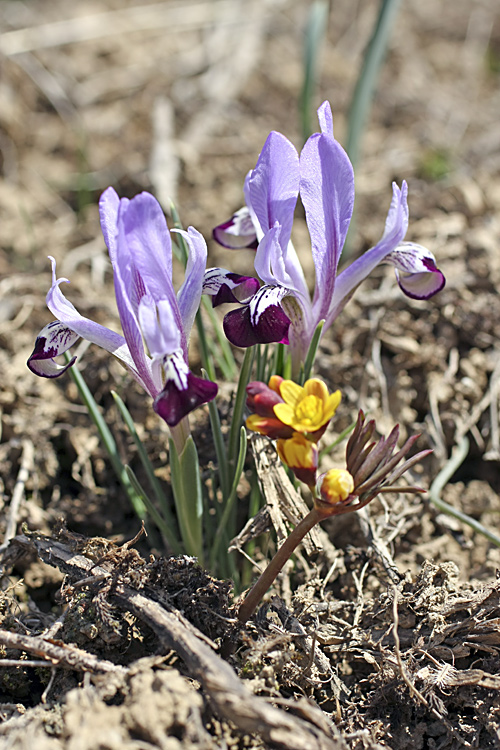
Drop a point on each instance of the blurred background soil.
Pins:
(177, 98)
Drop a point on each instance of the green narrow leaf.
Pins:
(220, 448)
(341, 436)
(239, 405)
(107, 439)
(225, 359)
(311, 354)
(365, 86)
(164, 526)
(223, 532)
(364, 92)
(188, 496)
(458, 456)
(206, 358)
(158, 491)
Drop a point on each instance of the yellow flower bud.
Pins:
(336, 486)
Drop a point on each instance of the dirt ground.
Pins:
(388, 636)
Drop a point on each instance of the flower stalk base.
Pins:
(252, 599)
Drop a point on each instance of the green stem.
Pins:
(252, 599)
(220, 448)
(311, 354)
(221, 534)
(239, 405)
(180, 433)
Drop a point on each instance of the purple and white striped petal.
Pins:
(54, 339)
(238, 232)
(416, 270)
(262, 321)
(182, 391)
(224, 286)
(327, 193)
(149, 245)
(396, 226)
(278, 265)
(68, 315)
(189, 295)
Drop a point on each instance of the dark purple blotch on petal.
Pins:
(238, 233)
(244, 289)
(174, 403)
(53, 340)
(272, 327)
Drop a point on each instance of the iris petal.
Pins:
(262, 321)
(238, 232)
(227, 287)
(182, 391)
(416, 270)
(54, 339)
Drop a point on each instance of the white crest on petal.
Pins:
(215, 277)
(176, 370)
(410, 258)
(264, 298)
(57, 336)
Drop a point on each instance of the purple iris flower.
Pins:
(282, 308)
(156, 322)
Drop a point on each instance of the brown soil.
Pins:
(388, 635)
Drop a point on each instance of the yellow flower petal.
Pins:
(306, 409)
(285, 413)
(256, 423)
(301, 456)
(332, 404)
(316, 387)
(290, 392)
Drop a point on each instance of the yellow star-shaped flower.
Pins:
(307, 408)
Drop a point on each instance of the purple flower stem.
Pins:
(252, 599)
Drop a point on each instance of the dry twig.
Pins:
(17, 495)
(60, 654)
